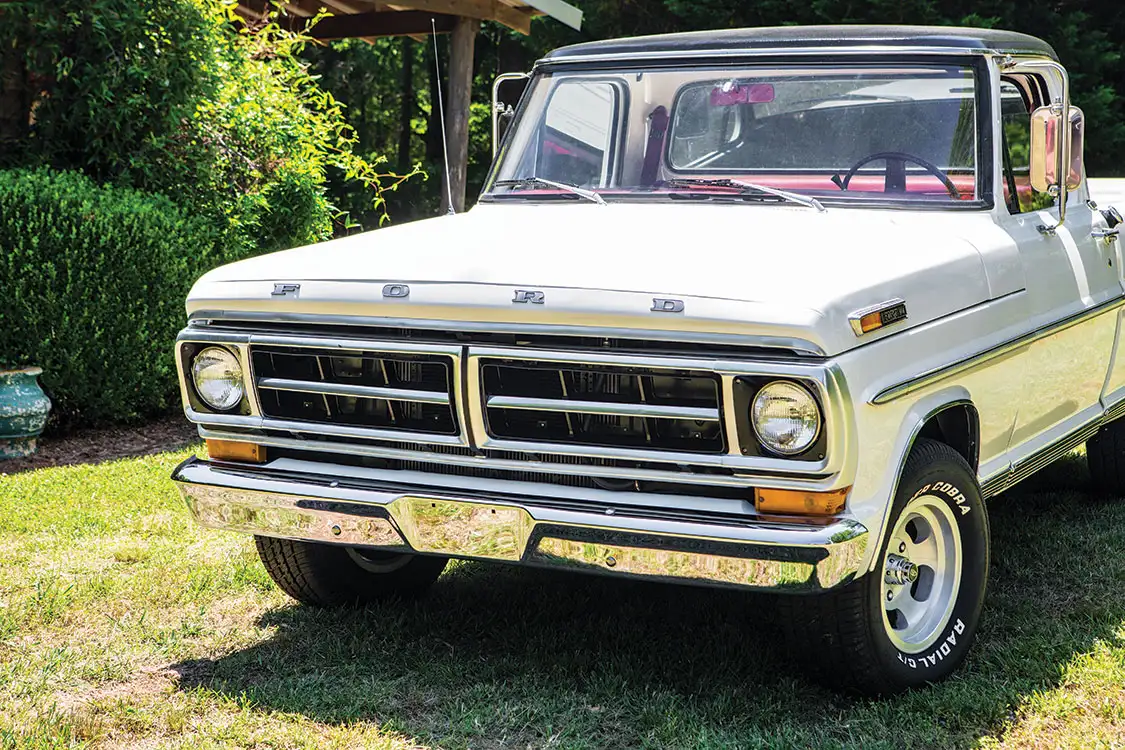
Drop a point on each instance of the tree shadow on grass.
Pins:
(507, 657)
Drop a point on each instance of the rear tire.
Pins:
(325, 575)
(1105, 456)
(912, 619)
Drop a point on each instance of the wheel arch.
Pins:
(957, 424)
(949, 416)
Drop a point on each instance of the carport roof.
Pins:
(368, 19)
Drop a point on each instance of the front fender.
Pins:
(885, 435)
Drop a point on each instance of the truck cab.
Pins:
(774, 309)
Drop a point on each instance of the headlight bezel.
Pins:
(191, 376)
(746, 391)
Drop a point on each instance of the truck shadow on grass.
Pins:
(506, 657)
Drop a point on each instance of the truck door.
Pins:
(1070, 277)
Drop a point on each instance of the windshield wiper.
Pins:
(804, 200)
(589, 195)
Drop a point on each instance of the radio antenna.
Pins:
(441, 113)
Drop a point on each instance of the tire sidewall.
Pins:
(940, 474)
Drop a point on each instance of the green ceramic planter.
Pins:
(23, 411)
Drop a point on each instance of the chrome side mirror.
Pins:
(1048, 157)
(499, 109)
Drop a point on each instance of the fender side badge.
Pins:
(875, 317)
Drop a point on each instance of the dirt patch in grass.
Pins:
(94, 446)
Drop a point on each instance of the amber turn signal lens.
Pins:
(231, 450)
(802, 503)
(871, 321)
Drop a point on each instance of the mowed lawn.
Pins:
(124, 625)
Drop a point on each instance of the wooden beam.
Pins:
(482, 10)
(383, 23)
(457, 110)
(343, 6)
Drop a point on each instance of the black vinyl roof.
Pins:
(841, 37)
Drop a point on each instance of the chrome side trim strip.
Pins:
(358, 391)
(602, 407)
(972, 361)
(1028, 465)
(750, 553)
(1114, 412)
(672, 475)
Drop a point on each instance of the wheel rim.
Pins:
(378, 562)
(921, 574)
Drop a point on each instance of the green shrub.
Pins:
(92, 287)
(178, 97)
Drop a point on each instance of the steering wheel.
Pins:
(895, 180)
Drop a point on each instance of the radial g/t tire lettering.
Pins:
(911, 620)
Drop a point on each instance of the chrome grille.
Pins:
(603, 406)
(361, 388)
(620, 416)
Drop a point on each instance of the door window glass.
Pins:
(1016, 104)
(576, 145)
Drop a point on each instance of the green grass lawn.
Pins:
(124, 625)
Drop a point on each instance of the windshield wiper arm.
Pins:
(589, 195)
(804, 200)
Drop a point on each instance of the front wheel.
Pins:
(326, 575)
(912, 619)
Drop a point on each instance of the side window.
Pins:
(1015, 124)
(577, 141)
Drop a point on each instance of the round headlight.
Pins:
(218, 378)
(786, 418)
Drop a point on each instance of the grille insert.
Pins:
(599, 405)
(379, 390)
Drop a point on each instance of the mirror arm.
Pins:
(1062, 135)
(497, 107)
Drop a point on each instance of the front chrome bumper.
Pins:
(738, 552)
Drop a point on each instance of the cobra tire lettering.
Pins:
(951, 491)
(938, 654)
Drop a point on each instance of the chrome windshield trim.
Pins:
(601, 407)
(937, 374)
(357, 391)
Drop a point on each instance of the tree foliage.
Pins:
(180, 97)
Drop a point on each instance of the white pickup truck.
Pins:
(775, 309)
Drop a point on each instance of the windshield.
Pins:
(836, 133)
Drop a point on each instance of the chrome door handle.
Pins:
(1107, 235)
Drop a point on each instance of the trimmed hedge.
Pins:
(92, 288)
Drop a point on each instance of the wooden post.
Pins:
(459, 94)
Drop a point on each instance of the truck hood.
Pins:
(778, 275)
